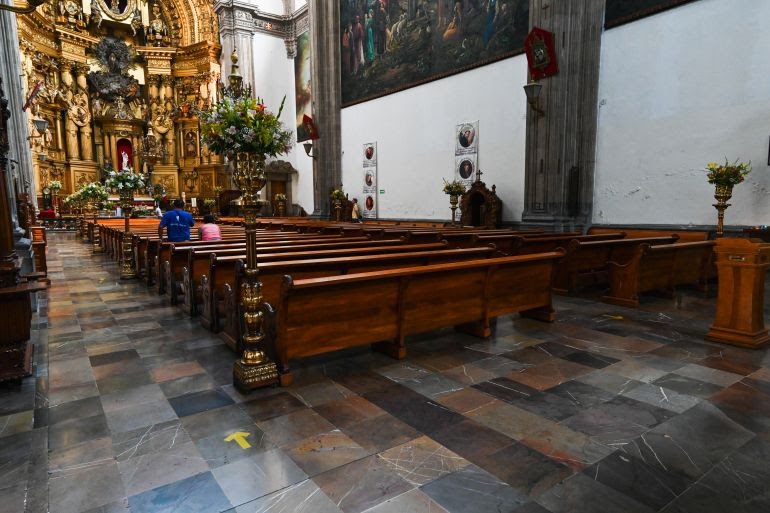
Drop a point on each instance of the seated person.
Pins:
(177, 222)
(209, 230)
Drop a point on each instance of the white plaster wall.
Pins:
(414, 131)
(274, 76)
(678, 90)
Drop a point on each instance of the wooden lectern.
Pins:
(741, 265)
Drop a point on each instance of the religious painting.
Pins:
(370, 154)
(190, 145)
(302, 85)
(391, 45)
(466, 138)
(619, 12)
(465, 167)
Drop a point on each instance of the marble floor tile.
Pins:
(258, 475)
(175, 371)
(581, 494)
(295, 426)
(140, 415)
(708, 375)
(380, 433)
(481, 492)
(549, 374)
(348, 411)
(272, 406)
(662, 397)
(360, 485)
(16, 423)
(196, 402)
(421, 460)
(465, 401)
(85, 488)
(413, 501)
(77, 431)
(321, 393)
(303, 497)
(527, 471)
(145, 440)
(197, 493)
(220, 422)
(326, 451)
(149, 470)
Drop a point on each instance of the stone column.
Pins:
(561, 144)
(236, 30)
(327, 102)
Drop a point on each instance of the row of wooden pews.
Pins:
(327, 286)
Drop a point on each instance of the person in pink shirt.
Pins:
(209, 230)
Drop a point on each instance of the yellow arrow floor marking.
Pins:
(240, 437)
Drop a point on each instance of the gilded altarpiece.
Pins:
(104, 74)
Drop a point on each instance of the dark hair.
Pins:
(178, 203)
(208, 218)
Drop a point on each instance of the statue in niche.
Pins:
(136, 21)
(96, 14)
(124, 158)
(158, 30)
(113, 81)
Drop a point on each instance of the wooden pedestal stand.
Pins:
(740, 304)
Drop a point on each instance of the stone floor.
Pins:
(606, 410)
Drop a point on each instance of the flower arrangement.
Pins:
(125, 180)
(93, 191)
(454, 188)
(142, 211)
(338, 194)
(729, 174)
(55, 185)
(209, 202)
(218, 190)
(243, 124)
(280, 197)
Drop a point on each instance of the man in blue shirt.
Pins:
(177, 222)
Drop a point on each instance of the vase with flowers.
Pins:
(724, 177)
(454, 189)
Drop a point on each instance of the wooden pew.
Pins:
(636, 233)
(520, 245)
(198, 262)
(222, 271)
(587, 260)
(172, 267)
(320, 315)
(659, 268)
(272, 273)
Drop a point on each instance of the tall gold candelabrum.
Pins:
(127, 269)
(254, 369)
(337, 210)
(97, 237)
(722, 194)
(453, 205)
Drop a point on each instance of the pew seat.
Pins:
(320, 315)
(659, 268)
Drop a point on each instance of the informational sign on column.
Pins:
(466, 151)
(369, 202)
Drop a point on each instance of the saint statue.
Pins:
(124, 156)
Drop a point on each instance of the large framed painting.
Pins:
(391, 45)
(302, 85)
(619, 12)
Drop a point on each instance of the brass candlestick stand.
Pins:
(722, 194)
(337, 210)
(254, 369)
(127, 270)
(453, 205)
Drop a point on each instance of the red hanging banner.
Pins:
(541, 53)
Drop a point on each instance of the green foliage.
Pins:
(454, 188)
(729, 174)
(235, 125)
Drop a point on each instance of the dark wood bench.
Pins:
(659, 268)
(636, 233)
(222, 271)
(519, 245)
(272, 273)
(586, 261)
(321, 315)
(198, 261)
(172, 268)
